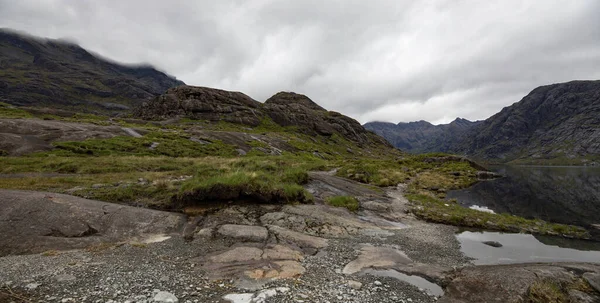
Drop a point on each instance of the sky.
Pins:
(376, 60)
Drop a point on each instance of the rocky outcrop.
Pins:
(286, 109)
(558, 121)
(41, 72)
(202, 103)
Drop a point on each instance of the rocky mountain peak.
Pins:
(293, 99)
(284, 108)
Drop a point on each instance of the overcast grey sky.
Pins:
(386, 60)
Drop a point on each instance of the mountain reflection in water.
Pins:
(568, 195)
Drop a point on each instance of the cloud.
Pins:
(383, 60)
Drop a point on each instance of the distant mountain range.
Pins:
(554, 124)
(59, 74)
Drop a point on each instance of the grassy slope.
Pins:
(183, 175)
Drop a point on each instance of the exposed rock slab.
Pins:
(303, 241)
(34, 222)
(244, 232)
(380, 257)
(490, 283)
(268, 263)
(376, 257)
(22, 136)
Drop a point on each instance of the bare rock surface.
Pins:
(244, 232)
(22, 136)
(33, 222)
(511, 283)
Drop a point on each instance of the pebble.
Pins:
(165, 297)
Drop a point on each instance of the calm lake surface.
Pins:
(569, 195)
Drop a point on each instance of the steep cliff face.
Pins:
(422, 136)
(558, 122)
(553, 121)
(284, 109)
(42, 72)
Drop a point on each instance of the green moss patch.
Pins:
(348, 202)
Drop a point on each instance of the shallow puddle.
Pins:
(525, 248)
(430, 288)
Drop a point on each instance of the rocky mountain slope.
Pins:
(557, 123)
(285, 109)
(421, 136)
(42, 72)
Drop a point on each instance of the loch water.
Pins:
(568, 195)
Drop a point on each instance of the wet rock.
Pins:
(244, 232)
(165, 297)
(492, 243)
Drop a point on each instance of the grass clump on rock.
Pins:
(546, 291)
(348, 202)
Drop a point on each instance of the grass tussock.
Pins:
(349, 202)
(546, 291)
(11, 112)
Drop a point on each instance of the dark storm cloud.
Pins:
(373, 60)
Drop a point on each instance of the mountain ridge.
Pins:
(553, 123)
(47, 72)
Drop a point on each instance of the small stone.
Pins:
(377, 283)
(64, 278)
(32, 286)
(354, 284)
(492, 243)
(165, 297)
